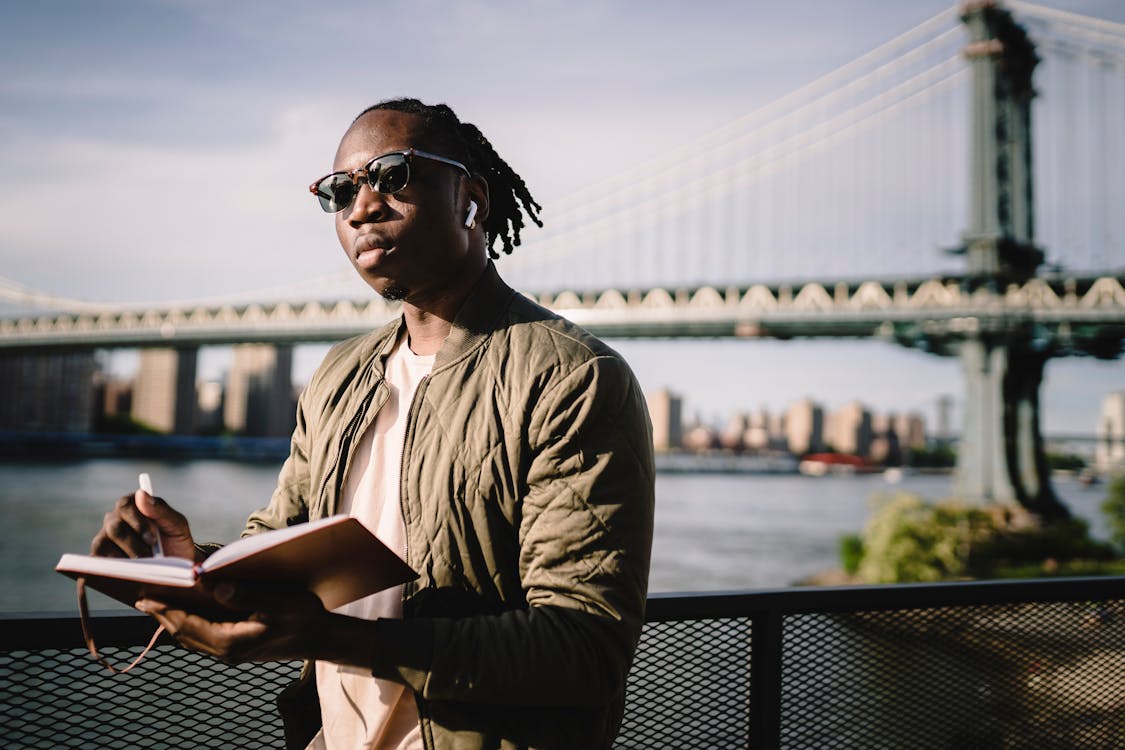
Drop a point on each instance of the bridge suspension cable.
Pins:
(758, 166)
(1095, 29)
(19, 294)
(322, 287)
(879, 64)
(758, 153)
(655, 189)
(1079, 140)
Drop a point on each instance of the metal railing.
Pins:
(1007, 664)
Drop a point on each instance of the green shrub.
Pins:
(1032, 545)
(1050, 569)
(937, 457)
(1065, 462)
(907, 540)
(851, 552)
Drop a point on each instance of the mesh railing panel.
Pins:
(689, 686)
(57, 698)
(1016, 677)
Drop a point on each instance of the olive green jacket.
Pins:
(527, 492)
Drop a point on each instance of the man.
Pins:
(505, 451)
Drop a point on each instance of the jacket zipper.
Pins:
(347, 438)
(407, 437)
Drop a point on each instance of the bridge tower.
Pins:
(1001, 456)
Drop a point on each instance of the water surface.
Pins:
(713, 532)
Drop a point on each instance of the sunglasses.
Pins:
(386, 174)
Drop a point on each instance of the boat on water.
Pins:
(725, 463)
(1088, 478)
(820, 464)
(892, 475)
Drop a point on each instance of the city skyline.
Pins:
(256, 397)
(905, 380)
(126, 114)
(887, 391)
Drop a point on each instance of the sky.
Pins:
(160, 149)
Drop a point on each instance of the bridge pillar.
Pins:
(164, 391)
(259, 395)
(1001, 455)
(1109, 455)
(47, 391)
(999, 242)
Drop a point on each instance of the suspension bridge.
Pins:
(956, 190)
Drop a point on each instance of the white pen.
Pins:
(145, 482)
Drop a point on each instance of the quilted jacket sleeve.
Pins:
(585, 537)
(289, 503)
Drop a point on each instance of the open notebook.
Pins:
(336, 558)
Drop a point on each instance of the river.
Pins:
(713, 532)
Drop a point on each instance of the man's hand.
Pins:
(127, 529)
(274, 626)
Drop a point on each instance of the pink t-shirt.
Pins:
(360, 711)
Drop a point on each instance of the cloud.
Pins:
(153, 222)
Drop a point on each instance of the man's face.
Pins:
(411, 245)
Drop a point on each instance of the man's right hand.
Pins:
(127, 529)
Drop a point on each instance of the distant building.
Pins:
(1110, 452)
(848, 429)
(665, 409)
(116, 396)
(259, 391)
(911, 430)
(885, 447)
(945, 419)
(775, 426)
(890, 434)
(732, 435)
(209, 407)
(804, 427)
(757, 436)
(164, 391)
(699, 437)
(113, 402)
(47, 392)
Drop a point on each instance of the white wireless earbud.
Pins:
(471, 216)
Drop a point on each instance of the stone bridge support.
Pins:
(1001, 455)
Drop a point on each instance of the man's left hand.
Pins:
(273, 625)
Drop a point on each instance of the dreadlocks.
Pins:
(509, 197)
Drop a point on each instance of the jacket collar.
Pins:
(480, 314)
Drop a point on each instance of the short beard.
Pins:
(395, 293)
